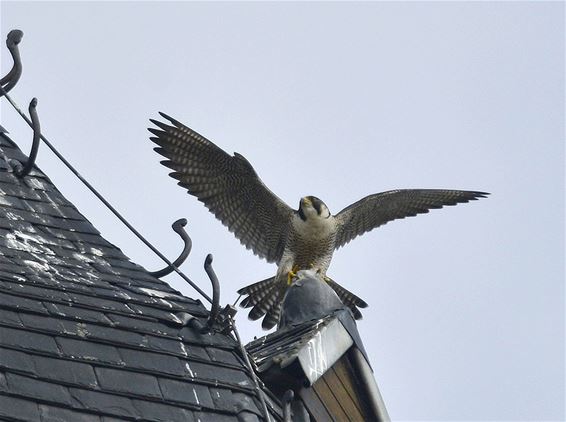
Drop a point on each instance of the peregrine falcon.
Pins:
(293, 239)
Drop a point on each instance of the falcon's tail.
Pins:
(264, 297)
(348, 298)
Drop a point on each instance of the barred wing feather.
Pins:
(378, 209)
(227, 185)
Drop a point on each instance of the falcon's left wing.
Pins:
(378, 209)
(227, 185)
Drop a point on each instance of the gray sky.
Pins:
(340, 100)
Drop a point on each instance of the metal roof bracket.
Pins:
(215, 308)
(11, 79)
(178, 227)
(23, 170)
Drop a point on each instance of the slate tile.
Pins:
(27, 340)
(94, 239)
(142, 325)
(139, 275)
(39, 237)
(58, 414)
(213, 417)
(39, 183)
(16, 190)
(40, 292)
(143, 299)
(43, 323)
(191, 335)
(126, 381)
(53, 196)
(9, 201)
(223, 399)
(16, 246)
(3, 382)
(59, 233)
(100, 251)
(89, 351)
(55, 210)
(162, 344)
(112, 335)
(75, 279)
(246, 416)
(99, 303)
(19, 361)
(126, 264)
(10, 317)
(33, 388)
(154, 362)
(196, 351)
(163, 413)
(111, 293)
(13, 408)
(186, 392)
(75, 312)
(107, 404)
(15, 223)
(78, 226)
(21, 303)
(245, 402)
(149, 311)
(113, 278)
(224, 356)
(220, 373)
(12, 272)
(8, 177)
(79, 374)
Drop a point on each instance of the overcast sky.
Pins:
(339, 100)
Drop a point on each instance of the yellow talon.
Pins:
(292, 274)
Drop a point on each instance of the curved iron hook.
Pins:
(215, 308)
(11, 79)
(178, 227)
(18, 170)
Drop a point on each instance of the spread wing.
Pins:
(378, 209)
(227, 185)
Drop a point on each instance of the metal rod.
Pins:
(107, 204)
(287, 399)
(36, 138)
(252, 373)
(178, 227)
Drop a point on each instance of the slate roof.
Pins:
(87, 335)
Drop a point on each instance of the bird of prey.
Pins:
(293, 239)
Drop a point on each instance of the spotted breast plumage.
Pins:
(293, 239)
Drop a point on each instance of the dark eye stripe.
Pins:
(317, 204)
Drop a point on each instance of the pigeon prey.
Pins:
(293, 239)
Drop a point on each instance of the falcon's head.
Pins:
(312, 207)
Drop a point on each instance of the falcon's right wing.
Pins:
(227, 185)
(380, 208)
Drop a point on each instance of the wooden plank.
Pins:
(343, 396)
(329, 400)
(314, 406)
(346, 376)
